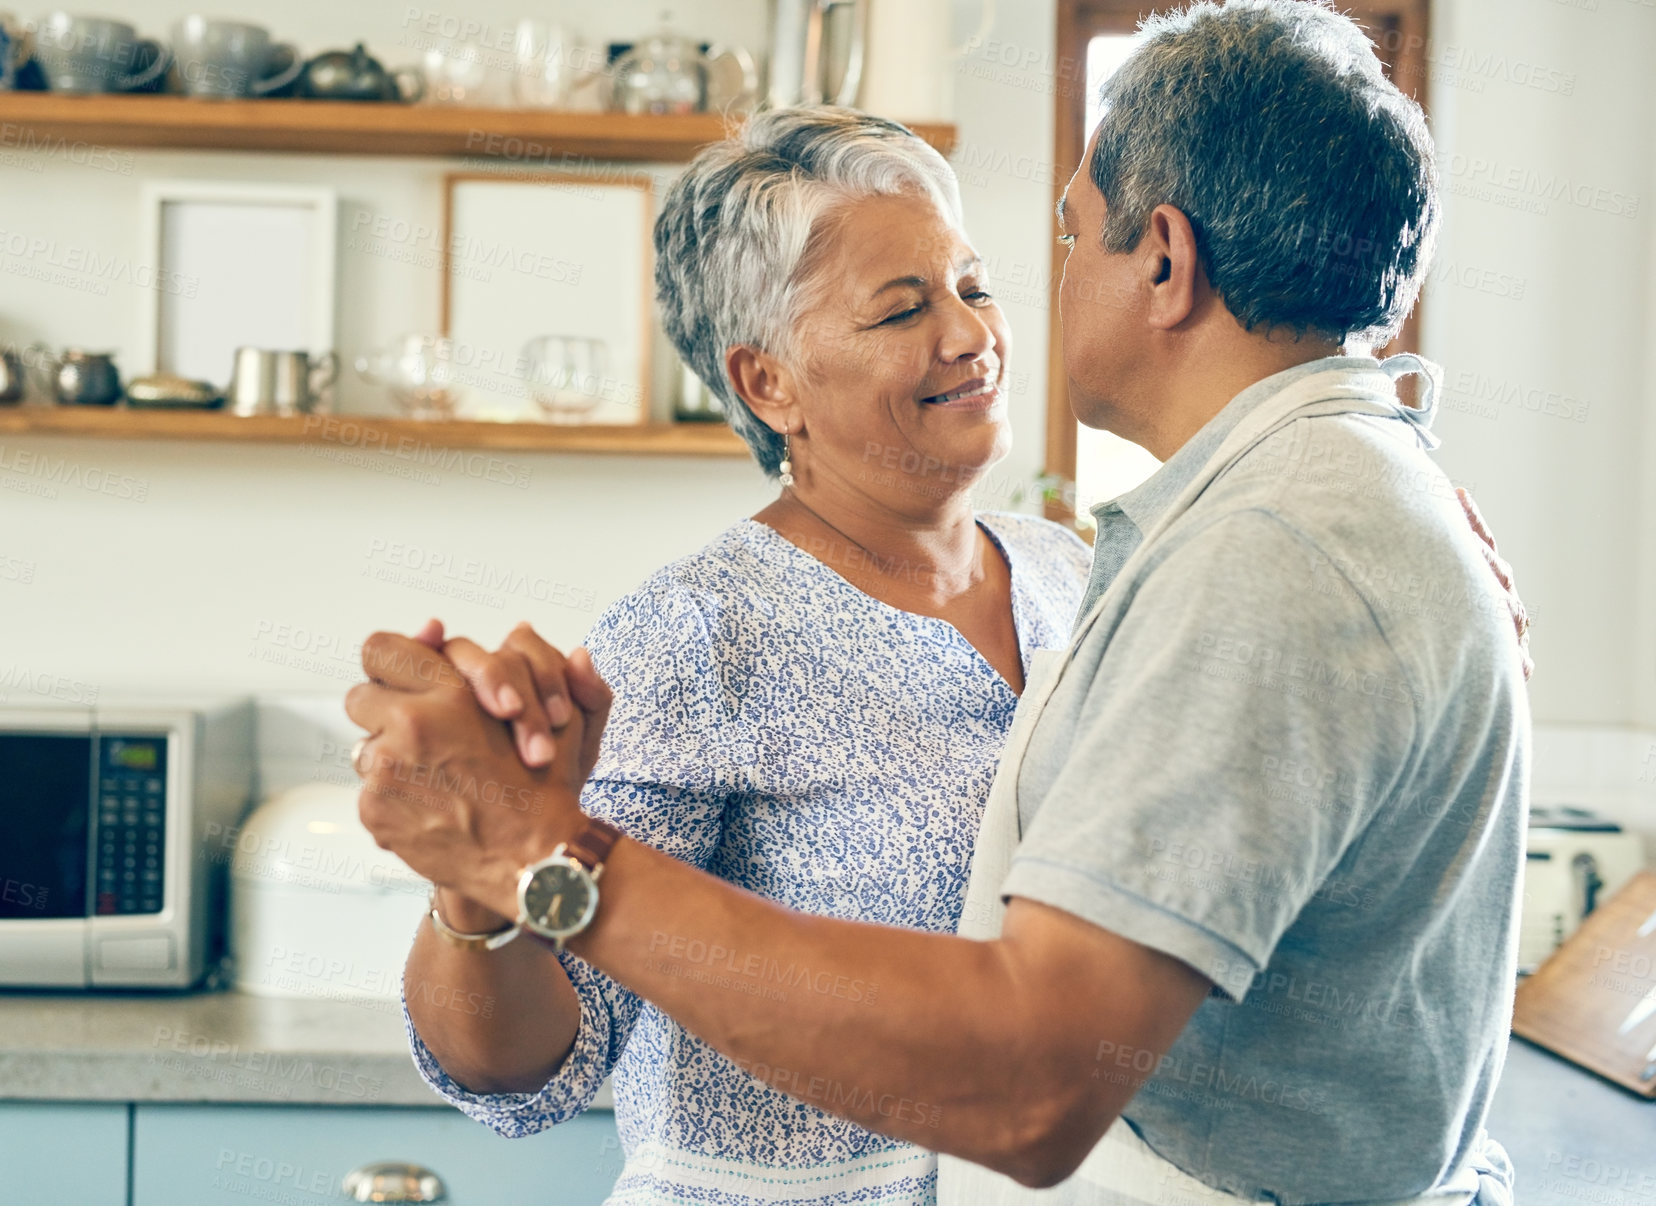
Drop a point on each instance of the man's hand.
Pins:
(444, 787)
(1503, 575)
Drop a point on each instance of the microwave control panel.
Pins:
(132, 824)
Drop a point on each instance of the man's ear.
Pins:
(767, 387)
(1171, 260)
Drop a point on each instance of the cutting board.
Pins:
(1577, 1000)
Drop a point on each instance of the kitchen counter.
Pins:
(1573, 1137)
(222, 1046)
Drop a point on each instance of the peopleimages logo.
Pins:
(31, 472)
(446, 573)
(398, 238)
(1474, 171)
(46, 686)
(369, 438)
(1499, 393)
(106, 270)
(42, 148)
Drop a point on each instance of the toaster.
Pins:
(1573, 860)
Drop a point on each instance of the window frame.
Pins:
(1400, 29)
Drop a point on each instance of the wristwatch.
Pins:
(558, 896)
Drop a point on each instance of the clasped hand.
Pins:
(474, 761)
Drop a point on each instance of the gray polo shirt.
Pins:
(1295, 758)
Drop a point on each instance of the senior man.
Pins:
(1259, 829)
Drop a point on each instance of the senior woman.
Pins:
(811, 707)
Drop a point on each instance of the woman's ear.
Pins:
(1172, 264)
(761, 381)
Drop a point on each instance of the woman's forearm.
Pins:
(497, 1021)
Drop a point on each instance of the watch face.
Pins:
(559, 899)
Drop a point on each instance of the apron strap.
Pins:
(1431, 388)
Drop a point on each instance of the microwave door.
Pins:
(46, 780)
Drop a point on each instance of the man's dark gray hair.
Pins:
(733, 240)
(1308, 177)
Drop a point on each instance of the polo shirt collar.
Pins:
(1143, 505)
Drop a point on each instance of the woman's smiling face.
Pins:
(901, 355)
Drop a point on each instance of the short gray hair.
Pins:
(734, 238)
(1308, 176)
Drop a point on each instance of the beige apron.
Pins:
(1122, 1170)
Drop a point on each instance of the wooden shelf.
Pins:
(534, 137)
(530, 138)
(373, 434)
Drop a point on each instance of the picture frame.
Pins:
(236, 264)
(542, 270)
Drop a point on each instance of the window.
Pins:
(1105, 465)
(1094, 38)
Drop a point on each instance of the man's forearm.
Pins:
(885, 1027)
(497, 1021)
(932, 1038)
(985, 1050)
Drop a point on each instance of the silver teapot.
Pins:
(80, 378)
(15, 50)
(12, 381)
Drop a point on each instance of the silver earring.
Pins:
(787, 460)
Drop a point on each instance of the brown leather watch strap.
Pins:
(592, 845)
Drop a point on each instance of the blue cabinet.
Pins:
(196, 1155)
(63, 1152)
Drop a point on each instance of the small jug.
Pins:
(303, 385)
(264, 382)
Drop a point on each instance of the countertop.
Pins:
(1572, 1136)
(222, 1046)
(219, 1046)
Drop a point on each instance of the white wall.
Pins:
(251, 567)
(1643, 662)
(1554, 302)
(1004, 110)
(232, 542)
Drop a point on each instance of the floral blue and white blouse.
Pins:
(785, 731)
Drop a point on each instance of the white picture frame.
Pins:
(554, 255)
(236, 264)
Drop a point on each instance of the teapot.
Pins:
(670, 74)
(80, 378)
(13, 382)
(356, 75)
(14, 50)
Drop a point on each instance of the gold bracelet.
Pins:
(491, 941)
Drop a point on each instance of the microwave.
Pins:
(108, 817)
